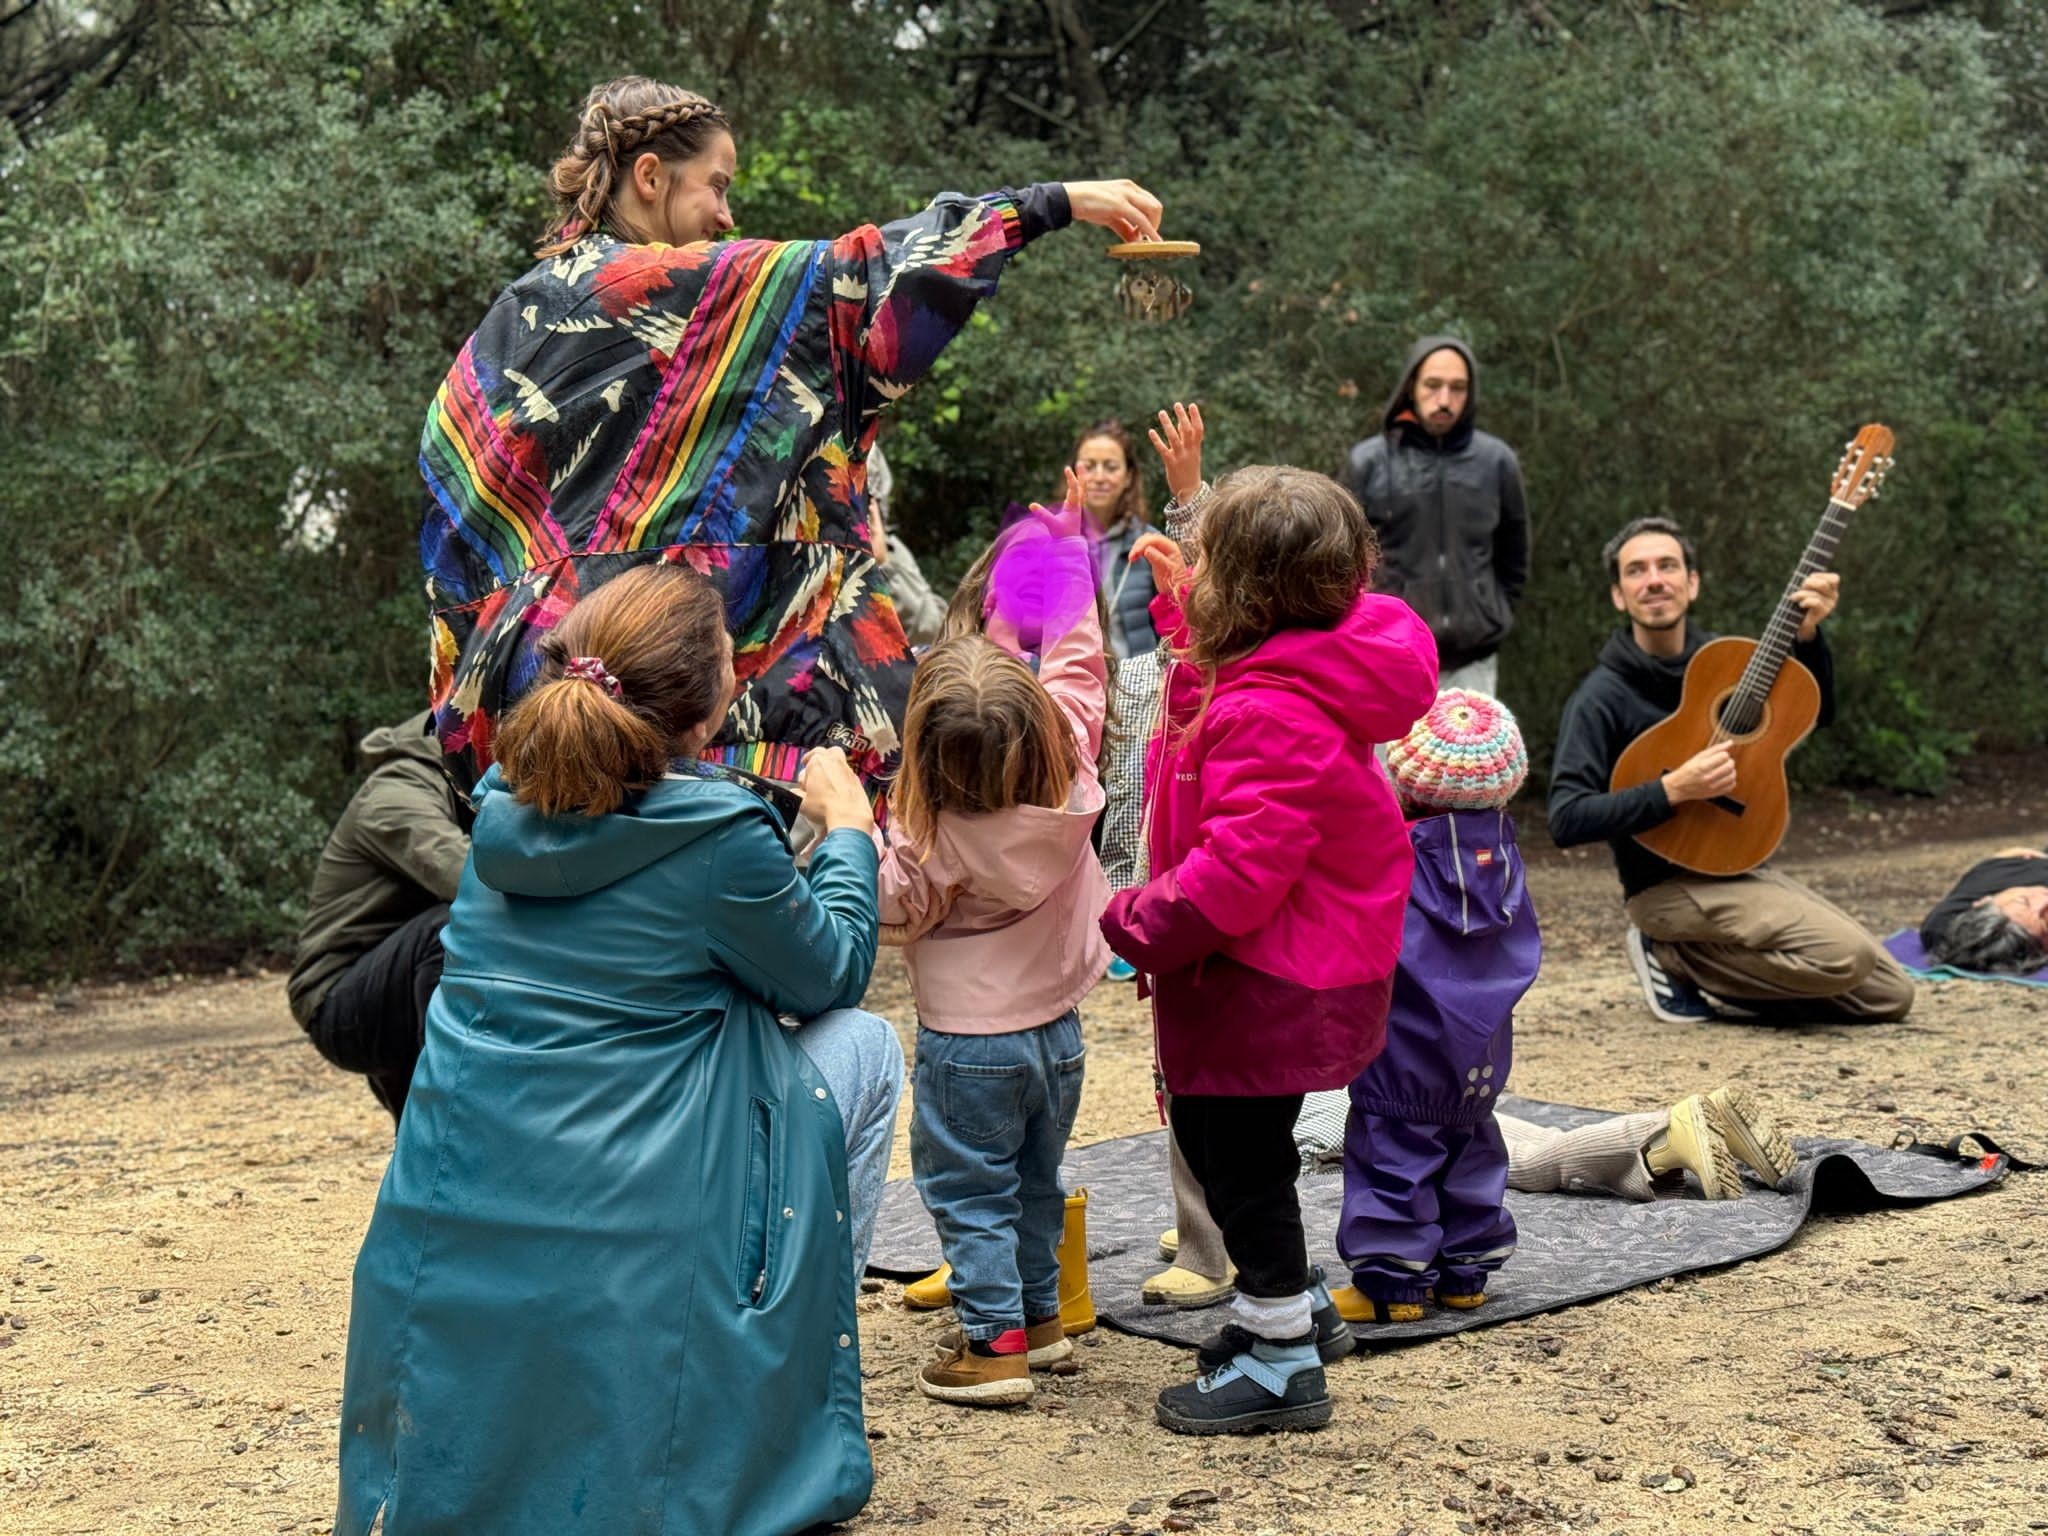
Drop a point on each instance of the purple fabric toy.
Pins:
(1042, 579)
(1425, 1170)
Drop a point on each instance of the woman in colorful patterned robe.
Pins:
(648, 392)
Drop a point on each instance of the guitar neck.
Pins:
(1778, 636)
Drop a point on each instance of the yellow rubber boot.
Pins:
(1354, 1306)
(930, 1293)
(1077, 1307)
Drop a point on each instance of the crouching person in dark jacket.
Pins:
(1425, 1167)
(369, 954)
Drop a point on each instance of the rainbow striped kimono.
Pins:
(712, 404)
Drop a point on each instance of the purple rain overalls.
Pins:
(1425, 1170)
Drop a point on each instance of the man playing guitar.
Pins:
(1759, 942)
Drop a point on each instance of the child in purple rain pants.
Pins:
(1425, 1169)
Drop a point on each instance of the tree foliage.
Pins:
(1693, 247)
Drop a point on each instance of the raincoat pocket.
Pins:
(751, 1280)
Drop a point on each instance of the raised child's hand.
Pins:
(1180, 450)
(1164, 556)
(1065, 520)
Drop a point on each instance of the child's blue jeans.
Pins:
(989, 1124)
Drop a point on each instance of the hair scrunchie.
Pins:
(589, 669)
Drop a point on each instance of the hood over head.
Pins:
(1400, 405)
(412, 738)
(520, 852)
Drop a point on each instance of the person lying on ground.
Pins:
(1995, 919)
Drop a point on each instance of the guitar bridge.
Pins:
(1727, 803)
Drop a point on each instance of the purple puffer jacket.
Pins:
(1280, 861)
(1469, 950)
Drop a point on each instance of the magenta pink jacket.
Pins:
(998, 915)
(1280, 860)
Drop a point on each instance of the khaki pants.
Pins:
(1763, 938)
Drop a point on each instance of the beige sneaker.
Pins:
(1692, 1142)
(961, 1376)
(1169, 1244)
(1183, 1288)
(1752, 1135)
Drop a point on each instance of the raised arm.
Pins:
(903, 290)
(801, 945)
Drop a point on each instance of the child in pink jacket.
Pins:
(1271, 923)
(991, 883)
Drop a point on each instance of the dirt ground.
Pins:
(183, 1185)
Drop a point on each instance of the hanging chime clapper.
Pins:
(1147, 291)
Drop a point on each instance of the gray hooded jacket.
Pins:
(1450, 515)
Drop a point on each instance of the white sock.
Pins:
(1274, 1317)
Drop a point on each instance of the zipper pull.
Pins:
(760, 1285)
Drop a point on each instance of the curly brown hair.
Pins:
(621, 118)
(1282, 549)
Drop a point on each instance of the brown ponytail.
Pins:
(570, 746)
(620, 119)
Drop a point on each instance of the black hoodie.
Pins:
(1627, 693)
(1452, 523)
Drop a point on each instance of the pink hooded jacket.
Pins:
(1281, 863)
(1001, 910)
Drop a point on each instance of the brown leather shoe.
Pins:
(1046, 1343)
(961, 1376)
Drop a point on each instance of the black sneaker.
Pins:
(1265, 1386)
(1672, 1000)
(1334, 1339)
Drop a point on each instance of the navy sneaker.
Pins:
(1670, 999)
(1266, 1385)
(1334, 1339)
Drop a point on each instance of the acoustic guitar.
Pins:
(1752, 694)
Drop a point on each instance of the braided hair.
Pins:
(620, 119)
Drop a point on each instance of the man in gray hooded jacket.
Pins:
(1446, 501)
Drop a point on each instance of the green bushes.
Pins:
(1693, 250)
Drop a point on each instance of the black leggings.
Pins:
(1242, 1153)
(374, 1017)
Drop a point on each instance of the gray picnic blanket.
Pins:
(1572, 1248)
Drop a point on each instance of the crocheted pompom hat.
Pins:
(1466, 754)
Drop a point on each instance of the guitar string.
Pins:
(1743, 711)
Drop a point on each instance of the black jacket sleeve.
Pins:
(1511, 538)
(1582, 808)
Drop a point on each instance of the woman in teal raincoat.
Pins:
(609, 1281)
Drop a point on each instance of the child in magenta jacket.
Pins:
(1281, 865)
